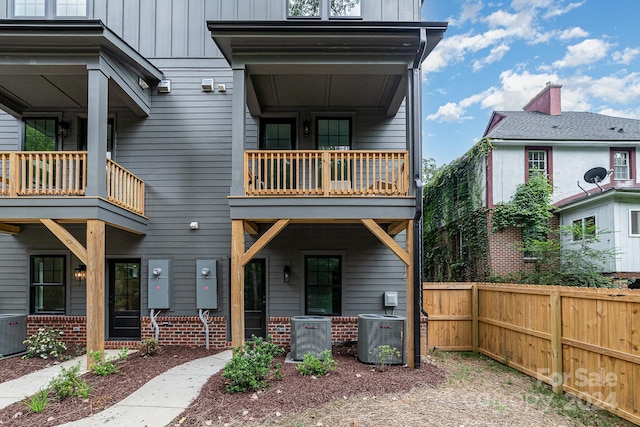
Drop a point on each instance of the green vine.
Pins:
(529, 209)
(455, 221)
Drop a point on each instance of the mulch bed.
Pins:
(214, 405)
(103, 391)
(295, 392)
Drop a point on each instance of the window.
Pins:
(345, 8)
(40, 134)
(333, 133)
(319, 8)
(537, 162)
(323, 285)
(277, 134)
(584, 228)
(621, 165)
(634, 226)
(50, 8)
(47, 290)
(304, 8)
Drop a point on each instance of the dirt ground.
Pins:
(449, 390)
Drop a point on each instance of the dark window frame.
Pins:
(329, 118)
(336, 288)
(33, 284)
(265, 121)
(56, 125)
(631, 157)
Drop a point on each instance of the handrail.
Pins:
(326, 173)
(40, 173)
(64, 173)
(124, 188)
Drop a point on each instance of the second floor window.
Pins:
(315, 8)
(537, 162)
(49, 8)
(621, 165)
(40, 134)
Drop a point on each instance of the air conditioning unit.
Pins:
(375, 330)
(310, 334)
(13, 331)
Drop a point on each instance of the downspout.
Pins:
(416, 114)
(206, 327)
(154, 323)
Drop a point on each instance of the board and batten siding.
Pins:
(369, 267)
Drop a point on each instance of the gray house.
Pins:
(201, 171)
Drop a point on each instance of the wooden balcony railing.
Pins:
(124, 188)
(326, 173)
(64, 173)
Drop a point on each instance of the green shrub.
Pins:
(68, 384)
(251, 366)
(38, 402)
(149, 347)
(45, 343)
(385, 355)
(318, 366)
(107, 366)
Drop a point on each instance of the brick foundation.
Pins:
(187, 330)
(183, 330)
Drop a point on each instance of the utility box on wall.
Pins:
(158, 283)
(206, 284)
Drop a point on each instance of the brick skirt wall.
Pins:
(189, 331)
(183, 330)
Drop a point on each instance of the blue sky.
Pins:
(497, 55)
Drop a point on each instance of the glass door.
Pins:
(124, 299)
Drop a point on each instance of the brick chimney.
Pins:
(547, 101)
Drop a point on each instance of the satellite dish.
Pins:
(595, 175)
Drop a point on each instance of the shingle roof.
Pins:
(569, 125)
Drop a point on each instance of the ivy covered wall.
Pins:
(455, 219)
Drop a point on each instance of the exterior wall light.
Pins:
(80, 273)
(306, 128)
(287, 273)
(164, 86)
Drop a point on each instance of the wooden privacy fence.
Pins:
(584, 341)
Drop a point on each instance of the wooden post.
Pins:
(557, 379)
(14, 175)
(95, 288)
(237, 283)
(475, 327)
(326, 172)
(411, 299)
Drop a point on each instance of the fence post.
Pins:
(475, 330)
(557, 379)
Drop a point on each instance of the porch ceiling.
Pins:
(332, 66)
(44, 67)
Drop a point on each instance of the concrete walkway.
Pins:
(16, 390)
(159, 401)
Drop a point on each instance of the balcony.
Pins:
(327, 173)
(64, 174)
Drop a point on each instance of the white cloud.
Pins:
(470, 11)
(627, 114)
(626, 56)
(559, 10)
(495, 55)
(450, 113)
(586, 52)
(531, 4)
(572, 33)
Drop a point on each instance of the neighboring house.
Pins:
(565, 146)
(233, 163)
